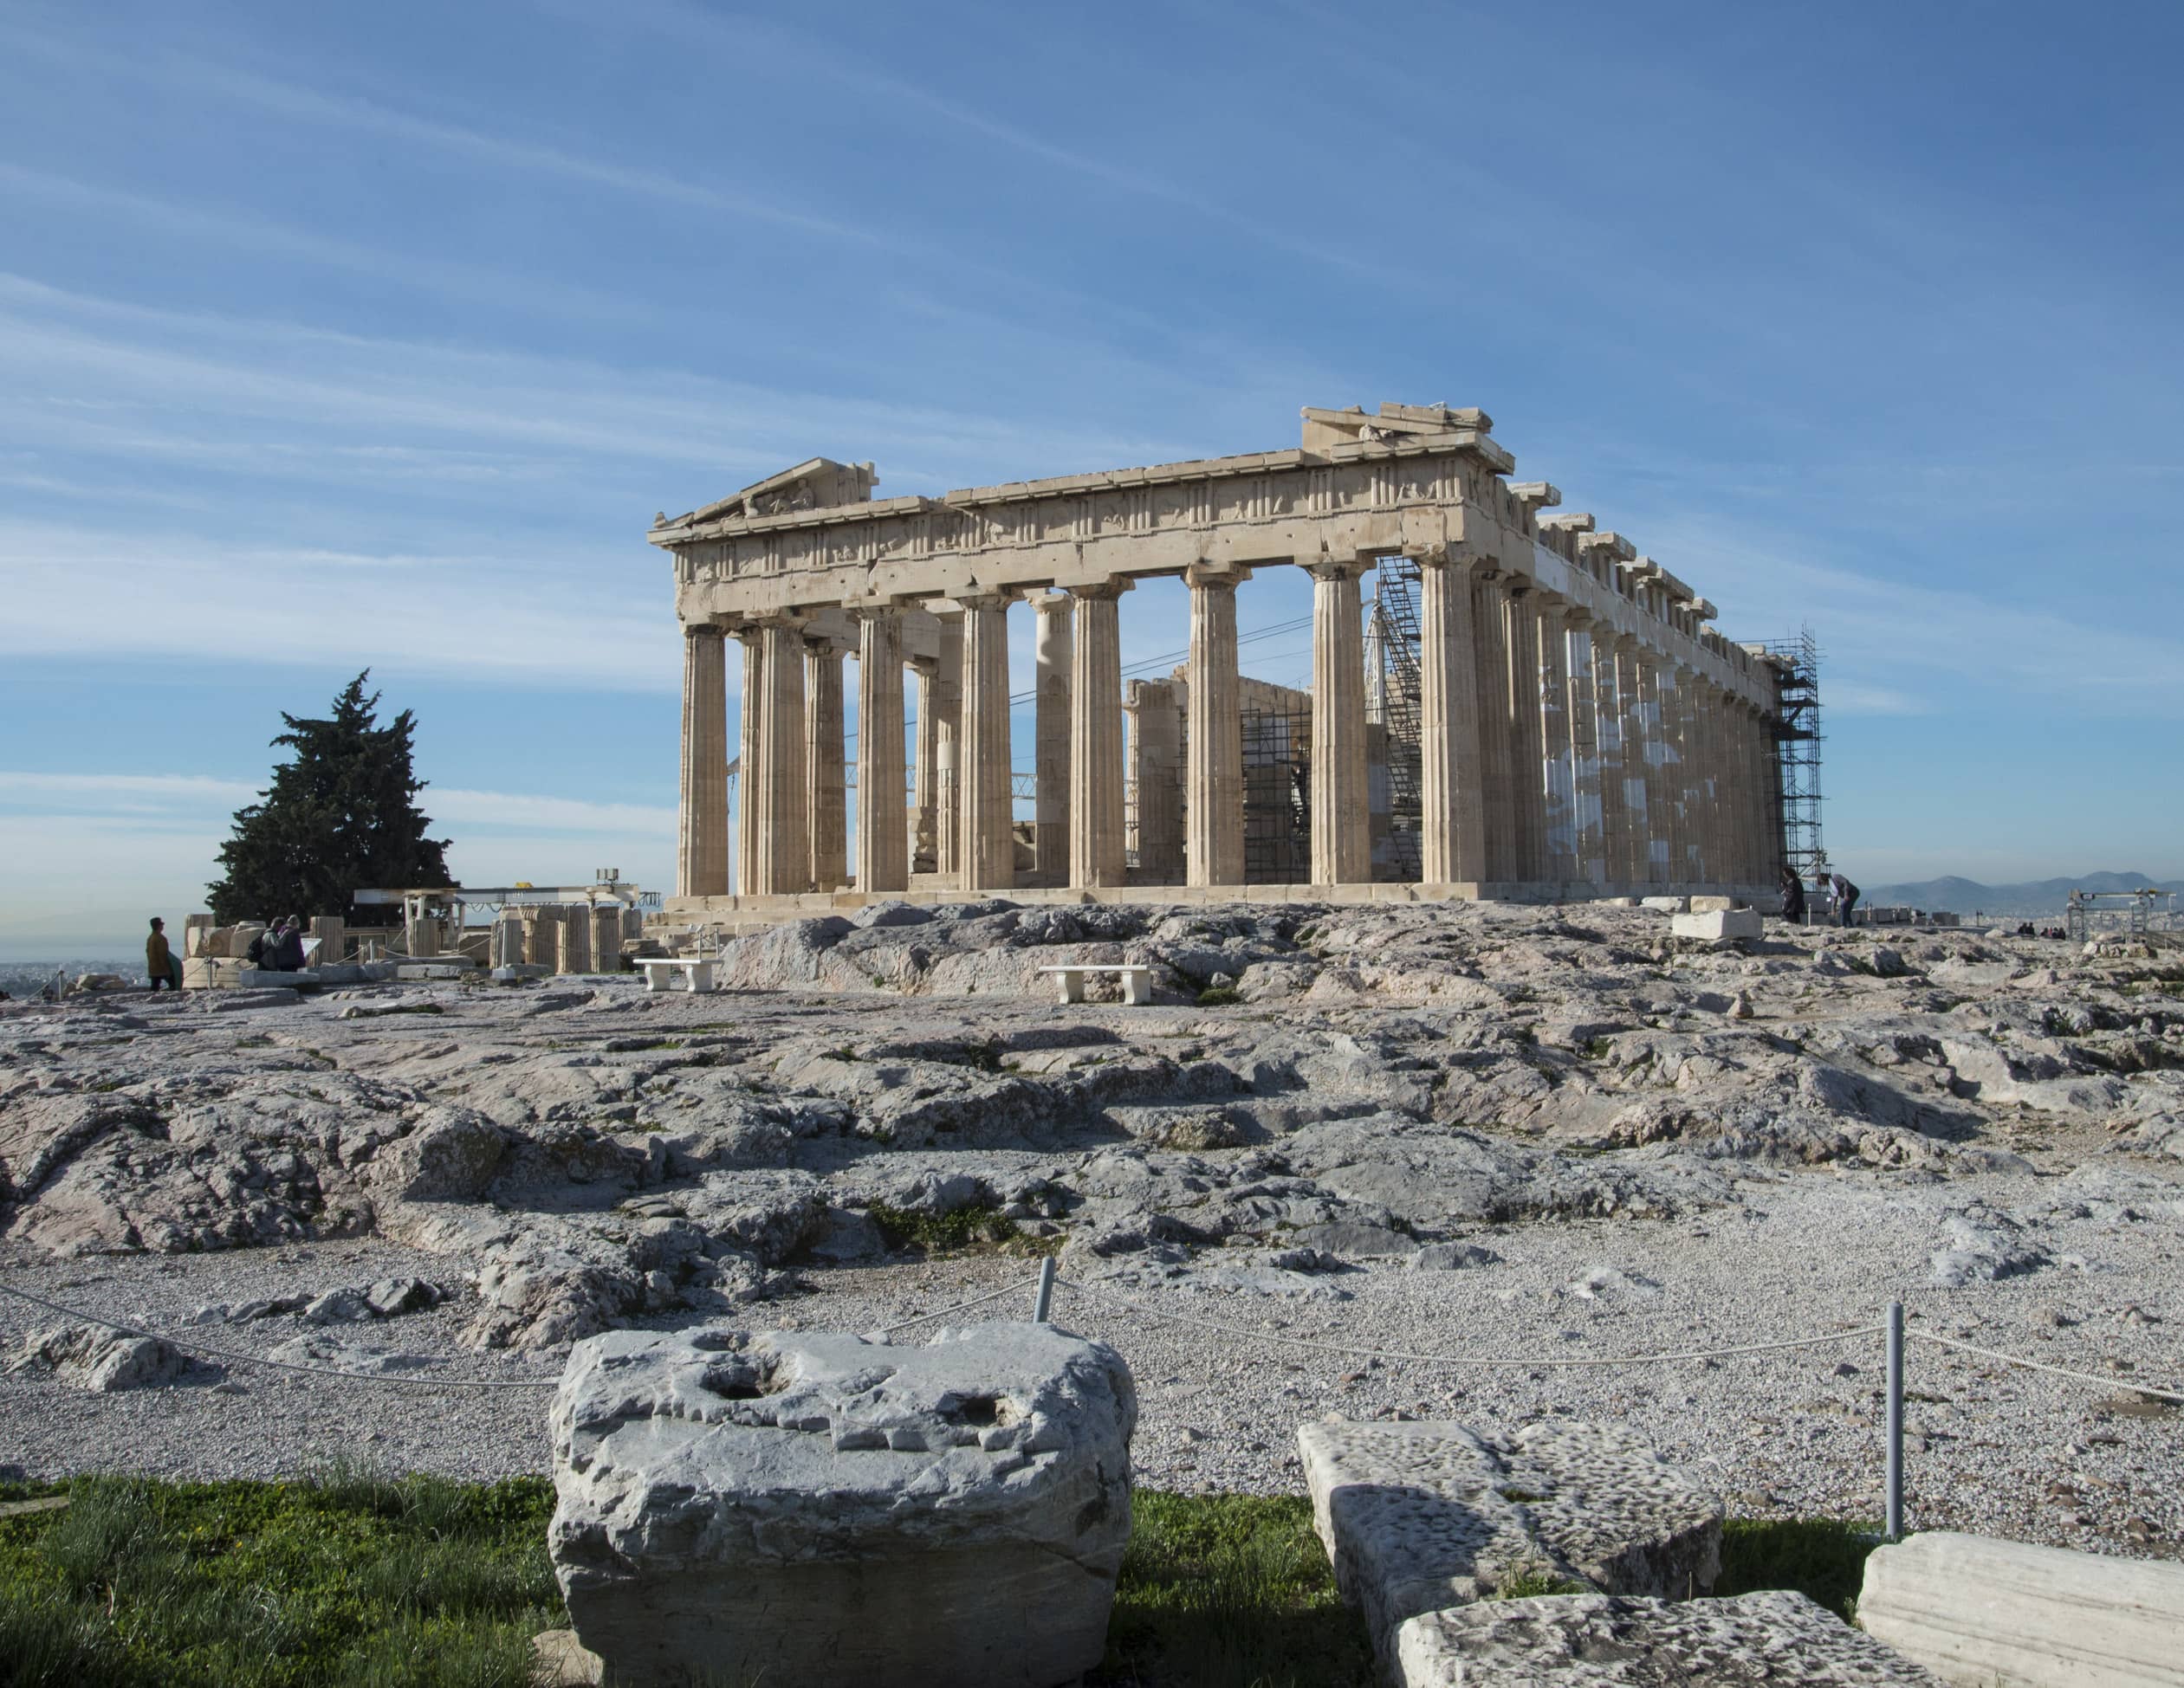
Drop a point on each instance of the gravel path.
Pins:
(1999, 1451)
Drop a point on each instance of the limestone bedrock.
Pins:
(1416, 1517)
(821, 1508)
(1974, 1610)
(1775, 1637)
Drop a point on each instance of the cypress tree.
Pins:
(339, 816)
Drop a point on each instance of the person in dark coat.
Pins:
(160, 966)
(284, 951)
(1846, 898)
(1792, 896)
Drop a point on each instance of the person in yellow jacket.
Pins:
(161, 965)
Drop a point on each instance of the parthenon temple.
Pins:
(1525, 708)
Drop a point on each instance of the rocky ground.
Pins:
(1489, 1131)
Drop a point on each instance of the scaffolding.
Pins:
(1798, 738)
(1277, 745)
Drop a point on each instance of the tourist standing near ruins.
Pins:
(159, 965)
(1846, 898)
(1792, 896)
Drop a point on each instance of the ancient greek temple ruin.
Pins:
(1555, 711)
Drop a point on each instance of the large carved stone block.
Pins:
(1417, 1516)
(818, 1508)
(1980, 1611)
(1580, 1640)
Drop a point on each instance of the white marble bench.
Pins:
(1138, 980)
(695, 971)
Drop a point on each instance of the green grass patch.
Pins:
(347, 1580)
(1217, 996)
(1824, 1558)
(1233, 1589)
(975, 1227)
(357, 1580)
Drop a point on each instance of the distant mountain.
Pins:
(2038, 896)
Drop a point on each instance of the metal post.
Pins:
(1895, 1422)
(1044, 1303)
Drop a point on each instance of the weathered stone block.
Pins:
(1974, 1610)
(1774, 1637)
(1416, 1517)
(1718, 926)
(1665, 905)
(793, 1506)
(1712, 905)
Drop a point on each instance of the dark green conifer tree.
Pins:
(339, 816)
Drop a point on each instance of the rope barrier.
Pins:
(1484, 1360)
(1016, 1288)
(203, 1352)
(2039, 1365)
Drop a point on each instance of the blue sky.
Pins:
(333, 336)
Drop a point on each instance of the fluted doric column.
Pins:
(1528, 752)
(1660, 822)
(1557, 782)
(1582, 712)
(1453, 831)
(1497, 762)
(746, 754)
(988, 854)
(1213, 743)
(780, 826)
(924, 844)
(948, 714)
(1095, 738)
(1341, 827)
(825, 781)
(1615, 818)
(701, 859)
(1688, 790)
(1637, 691)
(883, 829)
(1051, 646)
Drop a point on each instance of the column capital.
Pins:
(1459, 559)
(1339, 568)
(926, 666)
(966, 602)
(1048, 600)
(1204, 573)
(707, 629)
(1108, 589)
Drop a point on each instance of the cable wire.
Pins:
(1016, 1288)
(1489, 1361)
(2039, 1365)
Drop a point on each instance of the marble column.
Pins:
(1659, 821)
(1341, 827)
(1051, 658)
(1527, 750)
(747, 757)
(701, 859)
(1615, 818)
(1629, 682)
(781, 826)
(1497, 766)
(883, 818)
(1557, 783)
(926, 841)
(1582, 712)
(988, 852)
(1154, 835)
(1213, 741)
(825, 783)
(948, 710)
(1719, 809)
(1452, 820)
(1684, 741)
(1095, 738)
